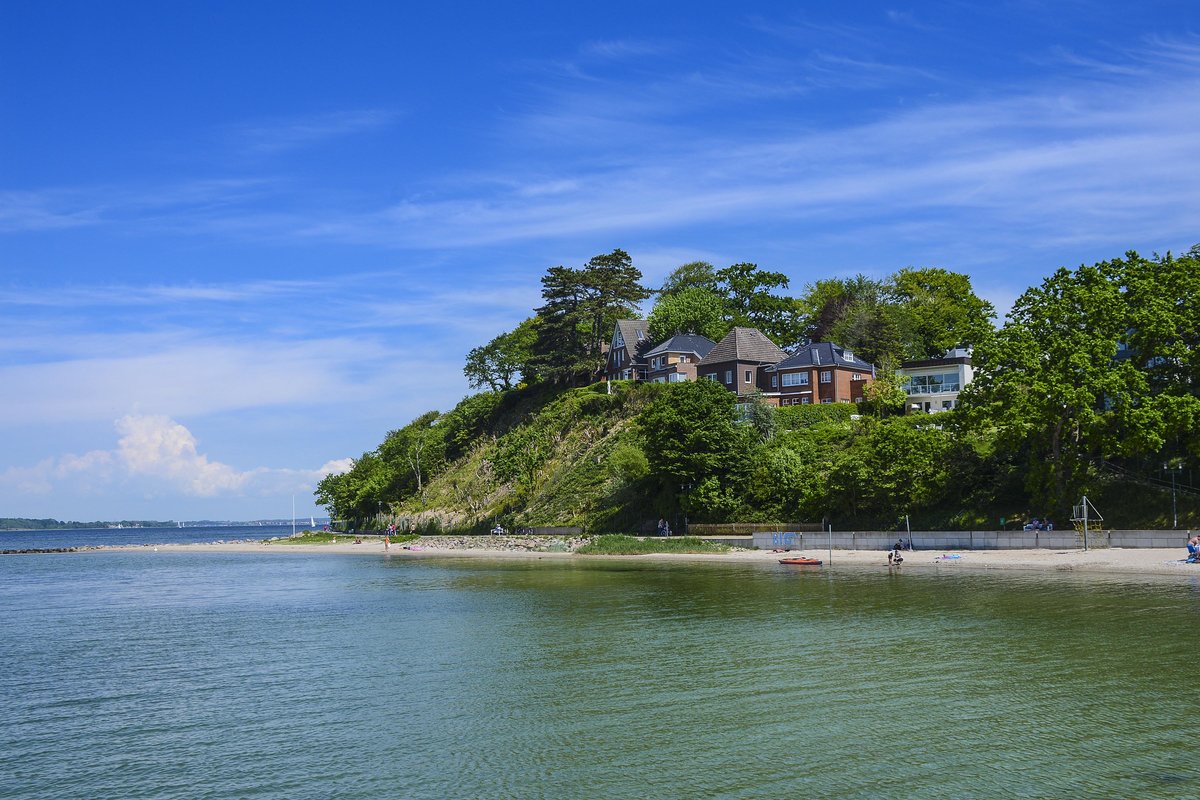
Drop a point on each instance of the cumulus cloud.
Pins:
(160, 456)
(160, 447)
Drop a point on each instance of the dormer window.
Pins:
(640, 336)
(846, 354)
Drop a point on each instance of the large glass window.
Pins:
(795, 379)
(826, 376)
(934, 384)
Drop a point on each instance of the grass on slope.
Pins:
(618, 544)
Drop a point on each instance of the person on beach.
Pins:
(1193, 548)
(663, 528)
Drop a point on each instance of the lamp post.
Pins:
(687, 488)
(1173, 469)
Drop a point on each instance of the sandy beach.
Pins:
(1149, 561)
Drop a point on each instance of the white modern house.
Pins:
(933, 384)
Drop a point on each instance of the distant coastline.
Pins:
(31, 524)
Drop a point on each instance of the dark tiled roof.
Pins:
(684, 343)
(745, 344)
(635, 333)
(823, 354)
(630, 328)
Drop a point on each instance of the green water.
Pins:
(283, 676)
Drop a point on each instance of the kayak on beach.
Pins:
(803, 561)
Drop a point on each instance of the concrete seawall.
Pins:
(960, 540)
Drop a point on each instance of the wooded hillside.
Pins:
(1091, 385)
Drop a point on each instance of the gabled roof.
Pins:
(822, 354)
(745, 344)
(684, 343)
(634, 332)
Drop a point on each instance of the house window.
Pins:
(683, 359)
(748, 378)
(728, 377)
(795, 379)
(933, 384)
(712, 376)
(804, 401)
(826, 399)
(856, 376)
(826, 375)
(774, 381)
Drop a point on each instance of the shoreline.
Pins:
(1141, 561)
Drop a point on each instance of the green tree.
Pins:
(693, 309)
(943, 310)
(752, 302)
(1162, 341)
(885, 395)
(916, 313)
(410, 455)
(690, 432)
(892, 466)
(693, 275)
(580, 308)
(628, 462)
(826, 304)
(503, 361)
(1046, 381)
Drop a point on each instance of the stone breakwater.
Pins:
(514, 544)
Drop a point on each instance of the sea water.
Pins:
(117, 537)
(222, 675)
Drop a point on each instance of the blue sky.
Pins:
(239, 242)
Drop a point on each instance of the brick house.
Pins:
(736, 360)
(821, 372)
(676, 359)
(625, 358)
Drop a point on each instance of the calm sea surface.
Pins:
(109, 537)
(211, 675)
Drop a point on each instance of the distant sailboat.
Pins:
(313, 522)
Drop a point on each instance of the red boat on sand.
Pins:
(801, 561)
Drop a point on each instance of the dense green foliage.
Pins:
(580, 308)
(916, 313)
(615, 544)
(502, 362)
(1092, 385)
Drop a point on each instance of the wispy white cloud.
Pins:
(272, 136)
(626, 49)
(140, 207)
